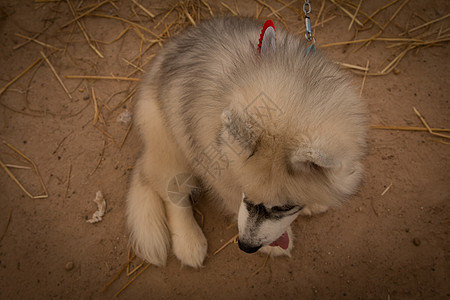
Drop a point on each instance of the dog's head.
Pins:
(298, 156)
(261, 225)
(295, 134)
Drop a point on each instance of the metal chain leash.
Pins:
(306, 10)
(308, 33)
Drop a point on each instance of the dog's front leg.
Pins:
(188, 241)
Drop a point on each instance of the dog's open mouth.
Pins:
(282, 241)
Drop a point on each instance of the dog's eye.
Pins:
(251, 154)
(283, 208)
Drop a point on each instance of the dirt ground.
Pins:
(390, 241)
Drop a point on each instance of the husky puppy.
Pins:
(269, 131)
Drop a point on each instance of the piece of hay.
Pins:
(128, 97)
(391, 66)
(95, 77)
(165, 16)
(208, 7)
(229, 8)
(283, 7)
(428, 23)
(118, 273)
(389, 21)
(350, 66)
(133, 65)
(274, 12)
(125, 21)
(37, 42)
(85, 13)
(295, 10)
(126, 135)
(202, 216)
(427, 126)
(370, 18)
(386, 189)
(132, 279)
(94, 99)
(408, 128)
(347, 12)
(17, 167)
(131, 272)
(233, 239)
(143, 8)
(262, 267)
(101, 208)
(56, 75)
(84, 31)
(188, 15)
(36, 170)
(364, 78)
(231, 225)
(119, 36)
(7, 225)
(354, 16)
(68, 181)
(322, 6)
(103, 151)
(20, 75)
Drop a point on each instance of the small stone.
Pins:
(416, 242)
(396, 71)
(69, 266)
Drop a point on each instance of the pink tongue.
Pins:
(282, 241)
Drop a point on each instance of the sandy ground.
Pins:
(390, 246)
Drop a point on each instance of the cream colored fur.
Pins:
(200, 92)
(153, 219)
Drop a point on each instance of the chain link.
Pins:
(306, 10)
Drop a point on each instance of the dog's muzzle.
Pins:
(247, 248)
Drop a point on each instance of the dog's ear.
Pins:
(238, 132)
(267, 39)
(309, 155)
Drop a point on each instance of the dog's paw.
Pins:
(275, 251)
(190, 246)
(151, 245)
(313, 209)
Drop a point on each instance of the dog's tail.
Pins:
(146, 218)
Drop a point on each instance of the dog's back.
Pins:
(294, 97)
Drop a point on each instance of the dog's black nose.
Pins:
(247, 248)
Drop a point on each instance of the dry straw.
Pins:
(143, 9)
(116, 276)
(131, 280)
(98, 77)
(35, 168)
(56, 75)
(20, 75)
(69, 175)
(100, 159)
(83, 30)
(386, 189)
(6, 225)
(37, 42)
(408, 128)
(232, 240)
(94, 99)
(422, 119)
